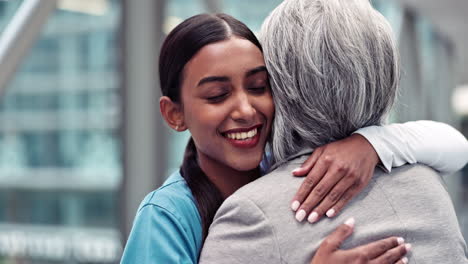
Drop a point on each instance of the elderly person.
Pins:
(334, 69)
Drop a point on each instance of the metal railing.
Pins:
(20, 34)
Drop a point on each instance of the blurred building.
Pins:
(60, 149)
(81, 140)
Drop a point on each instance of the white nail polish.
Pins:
(295, 205)
(404, 260)
(300, 215)
(296, 170)
(330, 213)
(350, 222)
(400, 240)
(408, 247)
(312, 217)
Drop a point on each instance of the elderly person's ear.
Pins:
(172, 113)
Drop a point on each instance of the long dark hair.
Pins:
(182, 43)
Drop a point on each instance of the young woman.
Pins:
(215, 84)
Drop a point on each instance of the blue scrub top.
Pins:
(167, 227)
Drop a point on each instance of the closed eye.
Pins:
(257, 90)
(217, 98)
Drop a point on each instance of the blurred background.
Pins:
(81, 138)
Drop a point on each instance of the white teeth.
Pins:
(242, 135)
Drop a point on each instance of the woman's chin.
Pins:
(247, 165)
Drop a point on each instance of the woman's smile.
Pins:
(244, 137)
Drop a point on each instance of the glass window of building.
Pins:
(60, 149)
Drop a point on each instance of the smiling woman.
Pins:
(225, 95)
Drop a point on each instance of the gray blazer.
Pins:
(256, 224)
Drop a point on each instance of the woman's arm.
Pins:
(435, 144)
(338, 171)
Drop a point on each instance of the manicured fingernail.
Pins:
(350, 222)
(330, 213)
(296, 170)
(295, 205)
(300, 215)
(312, 217)
(400, 240)
(404, 260)
(408, 247)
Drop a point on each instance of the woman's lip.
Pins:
(239, 130)
(245, 143)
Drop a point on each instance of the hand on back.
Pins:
(385, 251)
(335, 173)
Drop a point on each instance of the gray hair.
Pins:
(333, 68)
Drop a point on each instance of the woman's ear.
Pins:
(172, 113)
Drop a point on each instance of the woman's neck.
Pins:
(225, 178)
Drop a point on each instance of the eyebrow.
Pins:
(256, 70)
(226, 79)
(213, 79)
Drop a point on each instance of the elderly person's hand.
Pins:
(336, 172)
(385, 251)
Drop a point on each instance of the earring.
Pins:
(177, 127)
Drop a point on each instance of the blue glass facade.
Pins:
(60, 149)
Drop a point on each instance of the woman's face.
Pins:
(227, 104)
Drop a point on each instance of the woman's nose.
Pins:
(243, 110)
